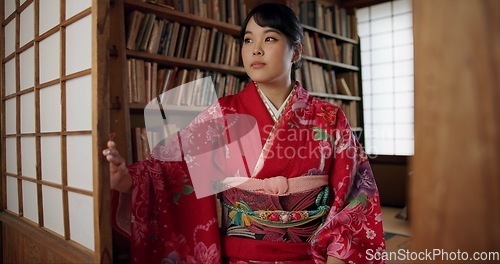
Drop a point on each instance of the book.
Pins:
(173, 40)
(154, 40)
(134, 20)
(343, 87)
(151, 18)
(181, 40)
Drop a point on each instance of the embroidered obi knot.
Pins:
(275, 185)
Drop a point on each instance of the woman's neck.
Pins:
(276, 92)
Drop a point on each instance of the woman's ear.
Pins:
(297, 52)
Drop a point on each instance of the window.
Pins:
(386, 37)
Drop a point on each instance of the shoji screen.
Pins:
(46, 137)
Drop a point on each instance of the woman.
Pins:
(311, 197)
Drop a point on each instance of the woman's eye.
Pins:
(247, 40)
(270, 39)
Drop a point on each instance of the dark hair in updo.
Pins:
(279, 17)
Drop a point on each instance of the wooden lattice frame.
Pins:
(98, 12)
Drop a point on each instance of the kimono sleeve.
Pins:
(352, 231)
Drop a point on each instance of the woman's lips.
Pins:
(257, 65)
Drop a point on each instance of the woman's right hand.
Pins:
(120, 178)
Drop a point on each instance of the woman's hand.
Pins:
(120, 178)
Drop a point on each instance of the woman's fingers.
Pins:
(111, 144)
(116, 160)
(112, 155)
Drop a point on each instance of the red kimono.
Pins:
(311, 194)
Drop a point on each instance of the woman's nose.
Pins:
(257, 50)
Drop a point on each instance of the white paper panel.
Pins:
(383, 25)
(50, 108)
(387, 76)
(10, 116)
(364, 29)
(382, 71)
(11, 155)
(403, 68)
(381, 41)
(28, 157)
(27, 30)
(383, 131)
(28, 113)
(404, 99)
(27, 68)
(362, 14)
(403, 37)
(403, 21)
(81, 219)
(381, 86)
(366, 43)
(79, 103)
(403, 52)
(380, 10)
(10, 37)
(10, 77)
(366, 73)
(79, 45)
(365, 58)
(79, 156)
(49, 15)
(404, 147)
(404, 131)
(75, 7)
(51, 158)
(404, 116)
(383, 116)
(367, 118)
(53, 209)
(10, 7)
(367, 103)
(401, 6)
(50, 54)
(383, 146)
(381, 101)
(12, 198)
(30, 201)
(381, 56)
(367, 88)
(403, 83)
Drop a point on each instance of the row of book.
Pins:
(321, 14)
(227, 11)
(146, 32)
(146, 80)
(316, 78)
(328, 49)
(328, 17)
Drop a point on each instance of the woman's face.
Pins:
(266, 55)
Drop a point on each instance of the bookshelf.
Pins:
(331, 57)
(330, 68)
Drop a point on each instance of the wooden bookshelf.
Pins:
(336, 96)
(330, 50)
(333, 35)
(337, 65)
(186, 63)
(182, 17)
